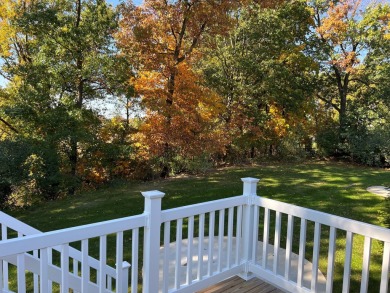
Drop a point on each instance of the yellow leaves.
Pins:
(7, 14)
(277, 123)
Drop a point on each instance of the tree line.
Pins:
(201, 83)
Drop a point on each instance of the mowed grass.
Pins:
(335, 188)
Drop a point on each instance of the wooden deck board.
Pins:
(238, 285)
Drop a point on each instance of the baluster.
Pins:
(347, 262)
(366, 264)
(84, 266)
(277, 242)
(290, 227)
(238, 235)
(221, 224)
(201, 246)
(179, 235)
(167, 236)
(1, 276)
(302, 246)
(316, 256)
(36, 277)
(44, 271)
(331, 258)
(190, 249)
(255, 232)
(50, 262)
(4, 236)
(109, 283)
(75, 267)
(230, 236)
(119, 262)
(134, 260)
(265, 237)
(102, 263)
(64, 268)
(21, 272)
(211, 244)
(385, 268)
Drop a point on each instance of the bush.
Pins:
(371, 147)
(327, 139)
(29, 172)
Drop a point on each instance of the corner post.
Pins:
(250, 192)
(152, 240)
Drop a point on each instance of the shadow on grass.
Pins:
(329, 187)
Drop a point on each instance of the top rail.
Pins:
(58, 237)
(17, 225)
(27, 230)
(326, 219)
(202, 208)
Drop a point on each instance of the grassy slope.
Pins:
(330, 187)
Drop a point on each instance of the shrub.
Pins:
(371, 147)
(29, 172)
(327, 139)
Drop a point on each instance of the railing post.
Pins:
(125, 276)
(250, 191)
(152, 241)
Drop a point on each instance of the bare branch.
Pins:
(9, 125)
(329, 102)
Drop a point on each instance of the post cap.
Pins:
(153, 194)
(250, 180)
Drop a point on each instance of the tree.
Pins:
(59, 59)
(164, 38)
(343, 49)
(263, 73)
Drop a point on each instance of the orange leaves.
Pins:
(166, 32)
(192, 116)
(339, 29)
(335, 26)
(163, 38)
(150, 85)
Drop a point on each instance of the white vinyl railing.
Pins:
(13, 228)
(190, 248)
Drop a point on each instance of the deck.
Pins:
(238, 285)
(189, 248)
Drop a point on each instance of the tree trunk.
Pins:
(73, 157)
(342, 86)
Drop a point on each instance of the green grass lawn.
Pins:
(334, 188)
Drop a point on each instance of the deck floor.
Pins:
(238, 285)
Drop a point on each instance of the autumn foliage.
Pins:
(197, 83)
(165, 40)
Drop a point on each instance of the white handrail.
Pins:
(353, 226)
(201, 208)
(68, 235)
(26, 230)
